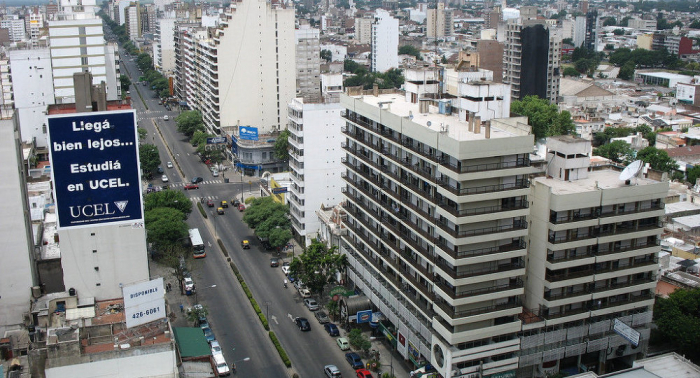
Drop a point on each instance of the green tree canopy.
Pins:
(282, 146)
(188, 122)
(150, 158)
(168, 198)
(270, 219)
(327, 55)
(603, 137)
(678, 320)
(657, 159)
(409, 50)
(610, 21)
(317, 266)
(544, 117)
(125, 83)
(165, 227)
(619, 31)
(571, 71)
(618, 151)
(693, 174)
(359, 340)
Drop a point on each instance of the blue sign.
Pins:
(216, 140)
(364, 316)
(95, 167)
(248, 132)
(280, 190)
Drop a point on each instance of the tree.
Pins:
(168, 198)
(693, 174)
(327, 55)
(567, 41)
(610, 21)
(196, 312)
(678, 320)
(150, 158)
(657, 159)
(317, 266)
(409, 50)
(625, 21)
(270, 219)
(647, 133)
(609, 47)
(627, 71)
(165, 227)
(282, 146)
(143, 133)
(571, 71)
(125, 83)
(618, 151)
(359, 340)
(608, 133)
(695, 24)
(544, 117)
(188, 122)
(350, 66)
(619, 32)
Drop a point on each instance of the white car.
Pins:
(169, 164)
(165, 117)
(285, 269)
(304, 292)
(215, 348)
(215, 173)
(164, 178)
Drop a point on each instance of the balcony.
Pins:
(517, 225)
(455, 314)
(654, 243)
(514, 246)
(452, 208)
(452, 272)
(519, 163)
(476, 292)
(630, 299)
(523, 184)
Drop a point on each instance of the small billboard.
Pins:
(280, 190)
(144, 302)
(95, 168)
(364, 316)
(627, 332)
(216, 140)
(248, 132)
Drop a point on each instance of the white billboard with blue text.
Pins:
(95, 168)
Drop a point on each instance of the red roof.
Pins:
(683, 151)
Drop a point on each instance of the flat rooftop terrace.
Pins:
(600, 179)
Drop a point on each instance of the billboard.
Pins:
(144, 302)
(248, 132)
(627, 332)
(216, 140)
(95, 168)
(364, 316)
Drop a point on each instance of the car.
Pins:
(304, 292)
(343, 343)
(332, 371)
(322, 317)
(197, 180)
(203, 324)
(332, 329)
(363, 373)
(285, 269)
(209, 334)
(169, 164)
(215, 348)
(354, 360)
(224, 204)
(241, 207)
(191, 186)
(303, 324)
(215, 173)
(274, 262)
(235, 202)
(210, 203)
(166, 118)
(220, 211)
(298, 284)
(161, 103)
(311, 304)
(164, 178)
(160, 170)
(245, 244)
(188, 285)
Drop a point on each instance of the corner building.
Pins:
(437, 226)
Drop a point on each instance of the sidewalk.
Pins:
(173, 298)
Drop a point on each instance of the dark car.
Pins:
(332, 329)
(209, 334)
(354, 360)
(235, 202)
(322, 317)
(160, 170)
(191, 186)
(303, 325)
(196, 180)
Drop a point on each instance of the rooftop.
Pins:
(396, 104)
(601, 179)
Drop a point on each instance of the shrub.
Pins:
(223, 248)
(280, 350)
(201, 210)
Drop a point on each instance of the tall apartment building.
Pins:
(241, 73)
(385, 42)
(308, 63)
(35, 23)
(531, 60)
(591, 261)
(77, 45)
(437, 226)
(164, 46)
(363, 29)
(18, 267)
(15, 27)
(591, 37)
(315, 162)
(148, 18)
(7, 99)
(579, 34)
(132, 20)
(440, 23)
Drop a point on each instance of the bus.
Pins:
(197, 244)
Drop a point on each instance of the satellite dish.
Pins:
(631, 170)
(429, 123)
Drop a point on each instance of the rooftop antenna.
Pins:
(631, 171)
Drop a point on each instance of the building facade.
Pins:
(385, 42)
(308, 63)
(440, 23)
(164, 46)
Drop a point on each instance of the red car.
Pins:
(241, 207)
(210, 203)
(364, 373)
(191, 186)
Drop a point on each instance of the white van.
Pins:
(222, 368)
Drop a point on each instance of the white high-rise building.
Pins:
(164, 47)
(579, 36)
(132, 20)
(31, 71)
(15, 27)
(78, 45)
(385, 42)
(315, 161)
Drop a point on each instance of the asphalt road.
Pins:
(233, 320)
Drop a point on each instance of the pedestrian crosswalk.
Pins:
(206, 182)
(204, 198)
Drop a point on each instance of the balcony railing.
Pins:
(523, 184)
(514, 246)
(480, 272)
(520, 163)
(476, 311)
(452, 209)
(517, 225)
(518, 284)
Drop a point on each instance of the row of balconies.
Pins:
(454, 313)
(590, 288)
(466, 273)
(591, 269)
(595, 250)
(604, 230)
(597, 212)
(593, 305)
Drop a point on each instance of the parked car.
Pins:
(311, 304)
(235, 202)
(354, 360)
(188, 285)
(274, 262)
(169, 164)
(210, 203)
(332, 371)
(160, 170)
(166, 118)
(343, 343)
(209, 334)
(196, 180)
(215, 348)
(322, 317)
(304, 292)
(332, 329)
(241, 207)
(191, 187)
(215, 172)
(285, 269)
(303, 324)
(364, 373)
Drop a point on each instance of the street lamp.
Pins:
(233, 364)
